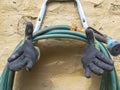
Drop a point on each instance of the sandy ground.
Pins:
(59, 67)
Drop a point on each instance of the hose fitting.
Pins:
(113, 47)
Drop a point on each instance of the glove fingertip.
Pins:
(11, 58)
(12, 67)
(88, 31)
(88, 75)
(110, 68)
(111, 62)
(29, 66)
(87, 72)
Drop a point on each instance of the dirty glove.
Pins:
(26, 55)
(93, 60)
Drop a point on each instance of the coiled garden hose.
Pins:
(109, 79)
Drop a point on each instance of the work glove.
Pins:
(93, 60)
(26, 55)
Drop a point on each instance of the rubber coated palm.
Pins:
(93, 60)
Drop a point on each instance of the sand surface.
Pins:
(59, 67)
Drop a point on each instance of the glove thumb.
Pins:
(90, 36)
(29, 31)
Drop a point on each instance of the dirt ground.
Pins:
(59, 67)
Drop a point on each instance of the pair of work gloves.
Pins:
(26, 56)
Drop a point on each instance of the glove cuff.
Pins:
(38, 51)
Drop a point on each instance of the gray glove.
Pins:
(93, 60)
(26, 55)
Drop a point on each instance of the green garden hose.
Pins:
(109, 79)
